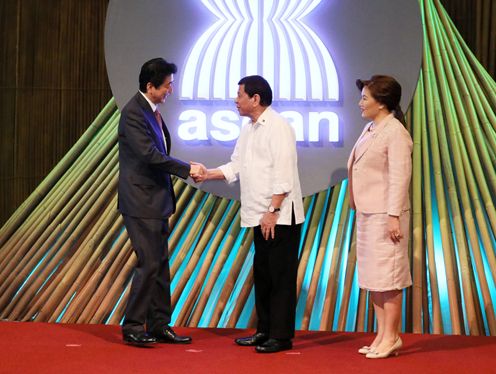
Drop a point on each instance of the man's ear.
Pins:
(256, 99)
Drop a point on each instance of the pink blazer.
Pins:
(379, 177)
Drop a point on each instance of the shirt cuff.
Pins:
(228, 173)
(281, 188)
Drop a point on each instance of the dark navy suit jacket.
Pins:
(145, 167)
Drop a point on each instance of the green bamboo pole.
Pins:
(472, 199)
(47, 208)
(46, 185)
(194, 230)
(436, 119)
(72, 277)
(44, 244)
(197, 310)
(183, 192)
(47, 246)
(182, 224)
(348, 282)
(450, 101)
(200, 248)
(332, 283)
(437, 323)
(230, 281)
(361, 306)
(241, 301)
(312, 290)
(184, 314)
(95, 269)
(310, 237)
(82, 223)
(417, 235)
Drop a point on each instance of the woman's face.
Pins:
(369, 106)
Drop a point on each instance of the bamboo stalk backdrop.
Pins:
(65, 256)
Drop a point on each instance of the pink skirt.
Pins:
(382, 264)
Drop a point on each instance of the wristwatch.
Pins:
(273, 210)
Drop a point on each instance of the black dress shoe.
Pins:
(256, 339)
(139, 339)
(274, 345)
(167, 335)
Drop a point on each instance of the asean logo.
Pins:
(265, 37)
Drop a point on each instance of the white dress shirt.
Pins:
(265, 161)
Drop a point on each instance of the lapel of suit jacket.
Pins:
(166, 133)
(151, 121)
(375, 136)
(352, 159)
(167, 137)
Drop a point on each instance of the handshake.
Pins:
(198, 172)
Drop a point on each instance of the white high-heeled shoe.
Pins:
(393, 350)
(366, 349)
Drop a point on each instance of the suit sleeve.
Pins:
(399, 169)
(141, 143)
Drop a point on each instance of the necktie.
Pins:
(158, 118)
(159, 122)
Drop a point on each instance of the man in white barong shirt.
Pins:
(265, 162)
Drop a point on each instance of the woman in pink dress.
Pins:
(379, 173)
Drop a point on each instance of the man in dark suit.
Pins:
(146, 201)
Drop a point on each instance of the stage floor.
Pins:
(59, 348)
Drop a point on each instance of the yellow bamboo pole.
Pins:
(42, 214)
(241, 301)
(193, 231)
(200, 247)
(46, 185)
(83, 263)
(190, 302)
(44, 244)
(83, 222)
(97, 266)
(348, 281)
(310, 237)
(111, 287)
(123, 283)
(312, 290)
(230, 281)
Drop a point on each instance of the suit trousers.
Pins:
(275, 268)
(149, 300)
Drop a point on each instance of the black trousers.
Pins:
(149, 299)
(275, 268)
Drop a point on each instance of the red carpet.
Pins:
(57, 348)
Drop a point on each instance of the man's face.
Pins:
(157, 95)
(244, 103)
